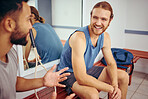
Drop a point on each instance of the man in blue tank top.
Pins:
(79, 53)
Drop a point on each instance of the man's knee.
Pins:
(123, 77)
(85, 92)
(92, 94)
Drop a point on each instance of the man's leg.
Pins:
(85, 92)
(123, 80)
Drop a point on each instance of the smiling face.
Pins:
(100, 20)
(23, 25)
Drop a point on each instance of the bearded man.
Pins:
(15, 24)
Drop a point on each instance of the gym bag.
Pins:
(122, 57)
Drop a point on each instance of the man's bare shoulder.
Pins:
(78, 35)
(106, 35)
(77, 38)
(107, 40)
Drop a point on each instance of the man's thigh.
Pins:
(104, 77)
(95, 71)
(84, 91)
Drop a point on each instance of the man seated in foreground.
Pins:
(15, 24)
(79, 53)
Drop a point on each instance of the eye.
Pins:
(95, 17)
(104, 19)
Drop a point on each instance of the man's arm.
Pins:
(111, 65)
(28, 84)
(78, 44)
(49, 80)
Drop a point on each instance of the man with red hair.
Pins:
(80, 51)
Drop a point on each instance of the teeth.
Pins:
(98, 27)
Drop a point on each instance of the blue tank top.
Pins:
(90, 54)
(48, 44)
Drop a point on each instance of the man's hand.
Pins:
(116, 93)
(54, 96)
(52, 79)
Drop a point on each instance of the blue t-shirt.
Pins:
(48, 44)
(90, 54)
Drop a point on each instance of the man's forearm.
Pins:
(28, 84)
(93, 82)
(112, 71)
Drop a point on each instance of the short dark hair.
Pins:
(105, 5)
(9, 6)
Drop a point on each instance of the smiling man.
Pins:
(79, 53)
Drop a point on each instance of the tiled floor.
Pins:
(138, 88)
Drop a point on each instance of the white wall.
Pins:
(66, 17)
(137, 14)
(136, 19)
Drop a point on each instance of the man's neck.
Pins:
(5, 47)
(4, 59)
(94, 38)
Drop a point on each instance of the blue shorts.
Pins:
(95, 71)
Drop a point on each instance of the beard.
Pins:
(103, 28)
(17, 37)
(95, 32)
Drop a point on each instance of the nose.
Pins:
(98, 22)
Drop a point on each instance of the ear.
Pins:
(9, 24)
(110, 21)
